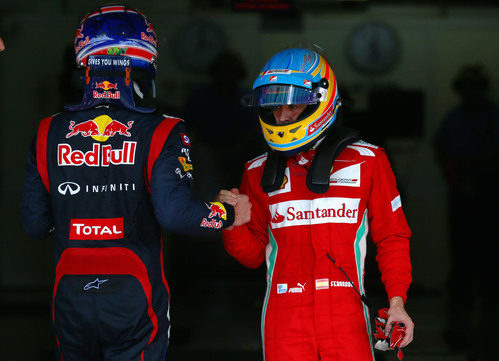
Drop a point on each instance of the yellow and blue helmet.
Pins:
(295, 76)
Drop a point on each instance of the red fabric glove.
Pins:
(394, 338)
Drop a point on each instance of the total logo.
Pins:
(100, 128)
(315, 211)
(96, 229)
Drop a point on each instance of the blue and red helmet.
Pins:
(117, 48)
(295, 76)
(117, 30)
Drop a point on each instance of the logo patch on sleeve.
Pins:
(185, 139)
(396, 203)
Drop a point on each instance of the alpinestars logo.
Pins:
(94, 284)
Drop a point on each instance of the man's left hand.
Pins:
(397, 313)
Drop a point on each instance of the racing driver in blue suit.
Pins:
(103, 177)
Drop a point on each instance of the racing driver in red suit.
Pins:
(315, 195)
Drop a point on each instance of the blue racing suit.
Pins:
(104, 181)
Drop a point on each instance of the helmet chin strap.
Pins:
(319, 173)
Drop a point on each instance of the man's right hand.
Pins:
(242, 209)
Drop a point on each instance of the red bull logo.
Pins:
(106, 95)
(100, 128)
(211, 224)
(106, 85)
(148, 38)
(78, 35)
(150, 29)
(99, 156)
(110, 90)
(81, 44)
(217, 209)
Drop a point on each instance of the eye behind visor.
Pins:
(279, 94)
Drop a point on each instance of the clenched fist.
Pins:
(242, 209)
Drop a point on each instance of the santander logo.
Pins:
(315, 211)
(278, 218)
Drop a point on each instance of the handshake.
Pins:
(241, 204)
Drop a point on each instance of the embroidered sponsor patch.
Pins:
(185, 139)
(96, 229)
(347, 177)
(100, 155)
(322, 284)
(282, 288)
(185, 164)
(316, 211)
(396, 203)
(340, 284)
(286, 184)
(217, 210)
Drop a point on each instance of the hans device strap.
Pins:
(273, 173)
(320, 170)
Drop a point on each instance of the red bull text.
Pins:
(99, 156)
(106, 95)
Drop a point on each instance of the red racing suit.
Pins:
(311, 311)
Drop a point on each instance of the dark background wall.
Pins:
(428, 42)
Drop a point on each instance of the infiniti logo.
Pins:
(68, 187)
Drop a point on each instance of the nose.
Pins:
(283, 115)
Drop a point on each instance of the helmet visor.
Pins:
(280, 94)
